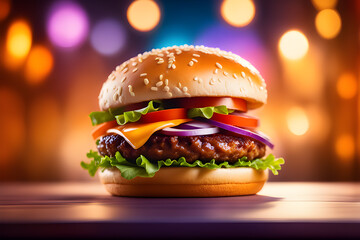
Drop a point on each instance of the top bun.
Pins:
(184, 71)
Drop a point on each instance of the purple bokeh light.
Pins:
(108, 37)
(68, 24)
(244, 43)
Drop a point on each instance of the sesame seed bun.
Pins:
(184, 71)
(187, 182)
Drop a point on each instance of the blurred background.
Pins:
(55, 55)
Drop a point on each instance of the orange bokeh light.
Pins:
(143, 15)
(297, 121)
(346, 86)
(345, 147)
(324, 4)
(238, 13)
(293, 45)
(328, 23)
(19, 39)
(39, 64)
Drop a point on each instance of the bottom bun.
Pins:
(186, 182)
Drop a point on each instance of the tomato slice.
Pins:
(236, 120)
(164, 115)
(199, 102)
(101, 129)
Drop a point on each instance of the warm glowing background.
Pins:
(54, 56)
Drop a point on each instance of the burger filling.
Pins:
(219, 147)
(179, 133)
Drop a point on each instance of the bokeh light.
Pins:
(143, 15)
(293, 45)
(39, 64)
(246, 43)
(297, 121)
(108, 37)
(328, 23)
(345, 147)
(346, 85)
(19, 38)
(238, 13)
(67, 24)
(4, 9)
(324, 4)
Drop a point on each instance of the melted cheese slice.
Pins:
(136, 134)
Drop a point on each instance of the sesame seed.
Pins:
(196, 55)
(143, 74)
(161, 76)
(191, 63)
(218, 65)
(166, 82)
(179, 84)
(216, 71)
(140, 59)
(225, 73)
(261, 88)
(111, 77)
(154, 88)
(160, 55)
(187, 94)
(159, 83)
(160, 60)
(132, 94)
(130, 88)
(146, 81)
(194, 60)
(178, 52)
(173, 66)
(125, 70)
(117, 68)
(185, 89)
(196, 78)
(123, 79)
(166, 88)
(134, 64)
(235, 76)
(116, 96)
(134, 70)
(243, 74)
(178, 89)
(120, 91)
(169, 94)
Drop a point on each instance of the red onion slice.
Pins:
(257, 136)
(174, 131)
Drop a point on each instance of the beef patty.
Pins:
(220, 147)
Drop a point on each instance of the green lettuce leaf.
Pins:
(134, 116)
(207, 112)
(144, 168)
(104, 116)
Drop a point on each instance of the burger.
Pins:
(174, 123)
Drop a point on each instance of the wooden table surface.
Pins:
(280, 210)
